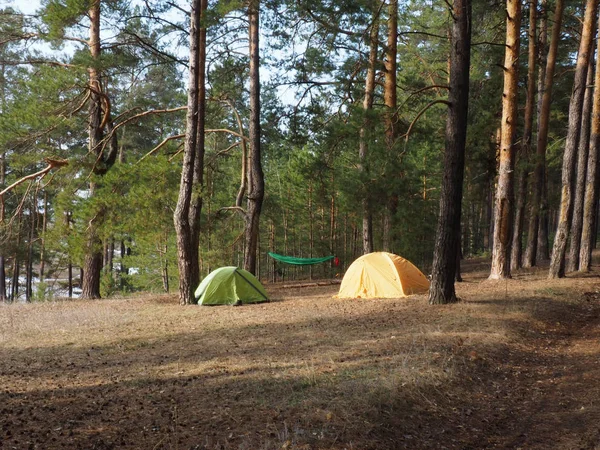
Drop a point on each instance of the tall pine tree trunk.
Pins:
(187, 211)
(390, 99)
(590, 200)
(557, 261)
(99, 118)
(535, 220)
(256, 180)
(525, 154)
(363, 156)
(448, 229)
(582, 159)
(2, 261)
(43, 239)
(504, 192)
(2, 279)
(92, 265)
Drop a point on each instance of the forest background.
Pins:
(331, 168)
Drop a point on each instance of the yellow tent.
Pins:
(382, 275)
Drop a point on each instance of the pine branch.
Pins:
(52, 164)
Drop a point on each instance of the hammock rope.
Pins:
(299, 261)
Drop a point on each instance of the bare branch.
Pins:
(407, 135)
(159, 146)
(52, 163)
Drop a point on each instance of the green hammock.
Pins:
(299, 261)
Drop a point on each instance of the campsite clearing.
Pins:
(514, 365)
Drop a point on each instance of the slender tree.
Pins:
(542, 139)
(367, 213)
(256, 180)
(390, 98)
(582, 159)
(525, 149)
(99, 121)
(189, 203)
(448, 230)
(504, 192)
(557, 261)
(591, 180)
(542, 247)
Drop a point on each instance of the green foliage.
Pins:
(314, 57)
(59, 15)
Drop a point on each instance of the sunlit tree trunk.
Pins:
(390, 99)
(542, 137)
(582, 159)
(557, 261)
(504, 191)
(92, 264)
(525, 154)
(448, 229)
(99, 119)
(256, 180)
(590, 200)
(187, 211)
(2, 261)
(43, 238)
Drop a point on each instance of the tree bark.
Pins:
(441, 290)
(535, 221)
(390, 99)
(582, 159)
(590, 201)
(256, 180)
(543, 252)
(504, 192)
(92, 264)
(367, 218)
(43, 238)
(2, 261)
(14, 295)
(525, 153)
(189, 203)
(2, 279)
(99, 118)
(557, 261)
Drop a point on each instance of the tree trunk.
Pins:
(391, 118)
(442, 290)
(29, 262)
(582, 159)
(256, 180)
(2, 279)
(535, 220)
(504, 192)
(367, 219)
(525, 154)
(43, 238)
(99, 118)
(2, 261)
(14, 295)
(189, 203)
(311, 234)
(557, 261)
(93, 252)
(70, 279)
(590, 201)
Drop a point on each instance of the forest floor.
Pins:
(515, 364)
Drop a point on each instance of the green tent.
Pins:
(230, 286)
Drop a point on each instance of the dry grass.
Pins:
(304, 371)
